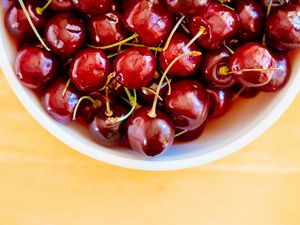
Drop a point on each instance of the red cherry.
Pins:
(151, 21)
(106, 29)
(65, 34)
(220, 102)
(61, 5)
(188, 104)
(186, 65)
(185, 7)
(135, 67)
(251, 65)
(89, 70)
(190, 135)
(17, 23)
(35, 67)
(60, 105)
(92, 6)
(221, 24)
(150, 136)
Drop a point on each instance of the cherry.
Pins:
(221, 24)
(185, 7)
(188, 104)
(108, 134)
(65, 34)
(89, 70)
(184, 66)
(92, 6)
(251, 65)
(35, 67)
(220, 101)
(135, 67)
(17, 23)
(58, 101)
(280, 77)
(61, 5)
(127, 3)
(106, 29)
(275, 3)
(151, 21)
(150, 136)
(190, 135)
(116, 6)
(215, 68)
(252, 20)
(283, 29)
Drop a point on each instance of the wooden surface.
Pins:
(43, 182)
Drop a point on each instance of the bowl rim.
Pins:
(53, 128)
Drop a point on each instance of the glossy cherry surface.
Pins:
(186, 65)
(61, 5)
(92, 6)
(17, 23)
(106, 29)
(215, 67)
(255, 57)
(150, 136)
(60, 105)
(283, 27)
(65, 34)
(89, 70)
(186, 6)
(35, 67)
(151, 21)
(221, 24)
(188, 104)
(135, 67)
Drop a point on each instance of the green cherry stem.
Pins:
(152, 112)
(66, 87)
(264, 41)
(140, 45)
(180, 133)
(97, 103)
(228, 48)
(40, 10)
(32, 25)
(202, 31)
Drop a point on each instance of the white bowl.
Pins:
(246, 121)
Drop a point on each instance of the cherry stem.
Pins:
(140, 45)
(169, 85)
(115, 54)
(109, 77)
(264, 41)
(97, 103)
(202, 31)
(115, 44)
(255, 70)
(152, 112)
(66, 87)
(108, 111)
(32, 25)
(238, 93)
(114, 120)
(130, 98)
(180, 133)
(40, 10)
(228, 48)
(153, 92)
(172, 33)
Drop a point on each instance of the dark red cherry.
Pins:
(187, 105)
(17, 23)
(220, 101)
(106, 29)
(116, 6)
(127, 3)
(297, 2)
(184, 66)
(89, 70)
(61, 5)
(60, 105)
(65, 34)
(92, 6)
(150, 136)
(221, 24)
(280, 77)
(35, 67)
(251, 65)
(252, 20)
(275, 3)
(283, 27)
(185, 7)
(105, 133)
(243, 91)
(190, 135)
(215, 68)
(135, 67)
(151, 21)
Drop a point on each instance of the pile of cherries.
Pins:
(145, 72)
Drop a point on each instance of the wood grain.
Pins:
(42, 181)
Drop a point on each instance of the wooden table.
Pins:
(44, 182)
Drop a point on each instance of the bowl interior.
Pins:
(246, 120)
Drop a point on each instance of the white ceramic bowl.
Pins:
(246, 121)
